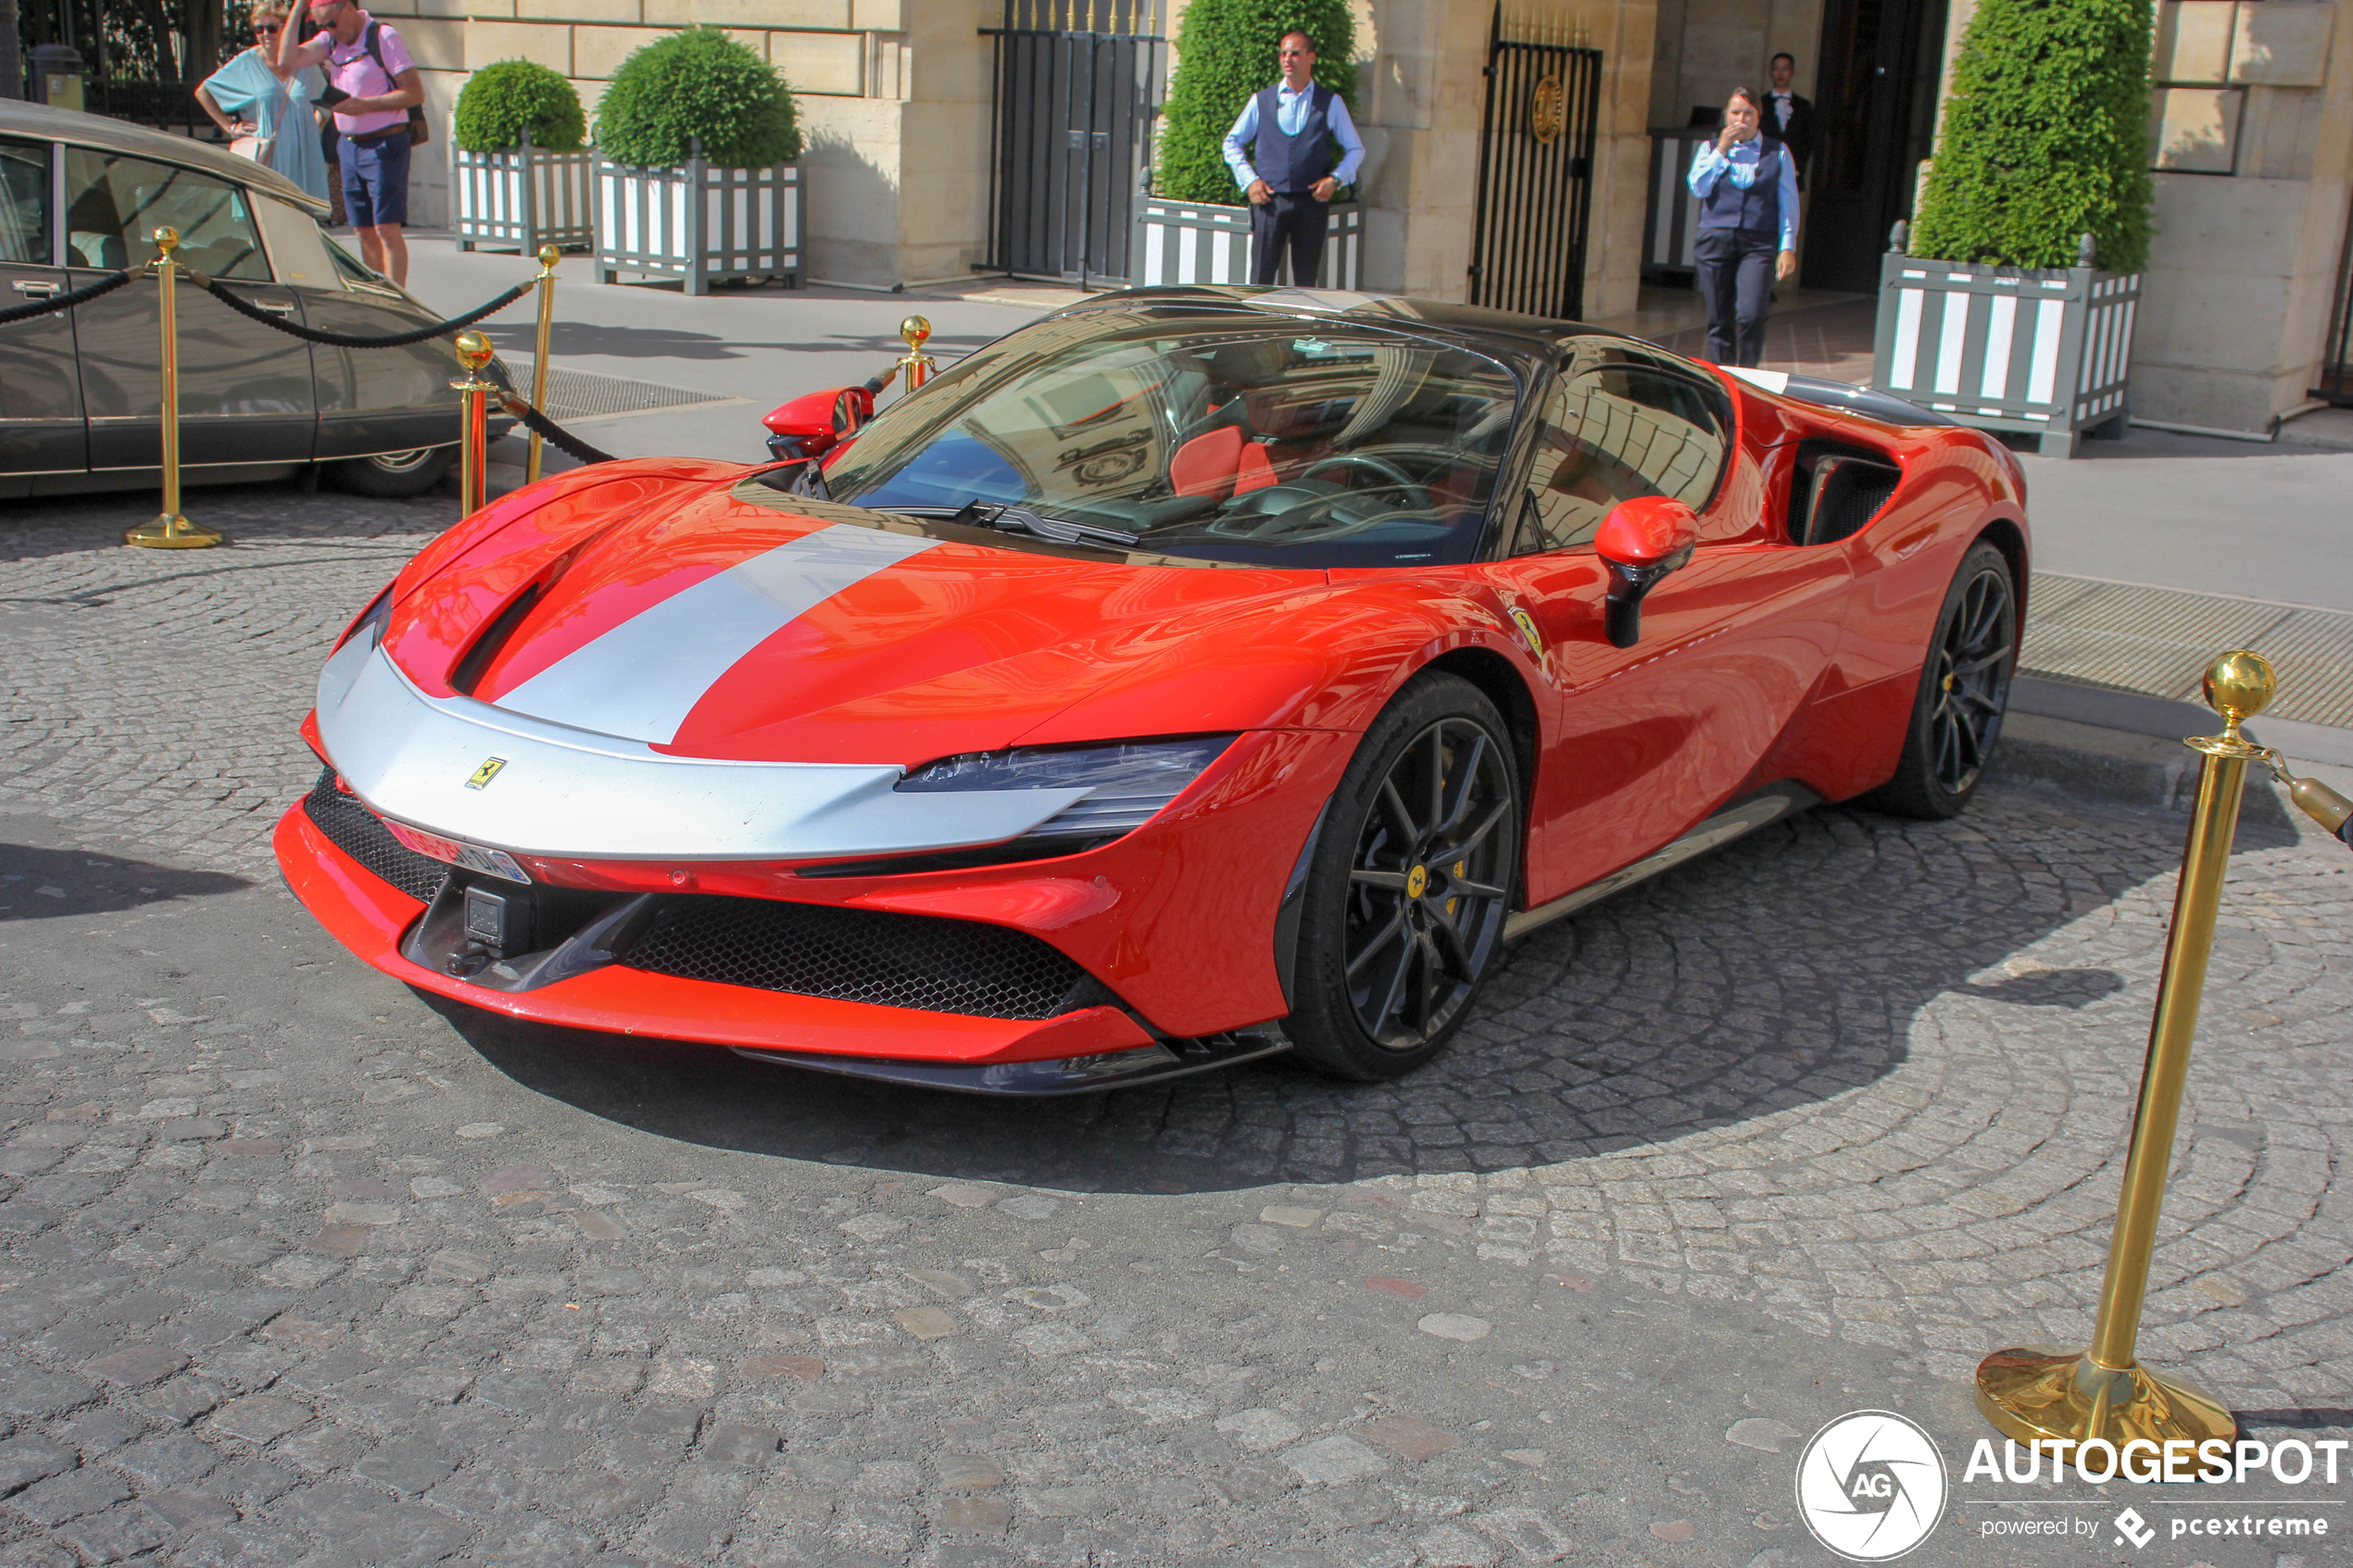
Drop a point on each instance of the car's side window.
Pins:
(114, 205)
(1621, 424)
(24, 203)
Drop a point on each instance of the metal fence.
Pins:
(1077, 83)
(1536, 142)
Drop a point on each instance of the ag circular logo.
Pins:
(1870, 1486)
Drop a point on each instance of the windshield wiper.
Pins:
(1062, 531)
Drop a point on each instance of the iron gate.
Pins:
(1536, 146)
(1077, 82)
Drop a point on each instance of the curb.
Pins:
(2118, 766)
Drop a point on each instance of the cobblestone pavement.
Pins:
(301, 1267)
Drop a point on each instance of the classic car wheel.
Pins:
(1965, 689)
(394, 475)
(1410, 885)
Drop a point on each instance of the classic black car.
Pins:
(80, 393)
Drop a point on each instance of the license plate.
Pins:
(456, 852)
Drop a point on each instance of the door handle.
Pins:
(274, 307)
(35, 289)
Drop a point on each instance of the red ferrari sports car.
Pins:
(1193, 674)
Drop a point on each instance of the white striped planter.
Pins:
(1670, 228)
(2046, 352)
(523, 199)
(1196, 243)
(703, 224)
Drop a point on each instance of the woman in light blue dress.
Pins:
(248, 97)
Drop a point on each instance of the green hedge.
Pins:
(2046, 138)
(698, 82)
(1225, 52)
(500, 102)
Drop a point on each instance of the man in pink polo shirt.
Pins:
(382, 82)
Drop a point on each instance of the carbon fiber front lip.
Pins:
(1065, 1075)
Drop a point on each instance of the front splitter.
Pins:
(1064, 1075)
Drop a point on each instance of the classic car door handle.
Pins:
(275, 306)
(37, 289)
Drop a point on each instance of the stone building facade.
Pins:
(2252, 140)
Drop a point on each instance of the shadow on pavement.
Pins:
(1784, 972)
(49, 883)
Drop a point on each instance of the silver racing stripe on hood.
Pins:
(567, 792)
(639, 680)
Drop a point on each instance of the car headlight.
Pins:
(1125, 784)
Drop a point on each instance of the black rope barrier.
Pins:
(67, 300)
(222, 291)
(555, 435)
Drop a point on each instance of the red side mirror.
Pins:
(1641, 542)
(1646, 530)
(812, 424)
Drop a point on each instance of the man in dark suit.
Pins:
(1788, 119)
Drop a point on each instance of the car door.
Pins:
(376, 400)
(245, 389)
(41, 427)
(1652, 738)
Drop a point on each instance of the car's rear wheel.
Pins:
(1409, 887)
(1964, 692)
(394, 475)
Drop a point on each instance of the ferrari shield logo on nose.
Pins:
(487, 772)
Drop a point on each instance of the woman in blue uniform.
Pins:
(1746, 183)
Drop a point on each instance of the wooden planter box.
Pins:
(703, 224)
(523, 199)
(2044, 352)
(1195, 242)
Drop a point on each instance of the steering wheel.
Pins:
(1380, 466)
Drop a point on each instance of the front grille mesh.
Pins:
(362, 835)
(858, 956)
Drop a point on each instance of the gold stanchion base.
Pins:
(169, 531)
(2045, 1394)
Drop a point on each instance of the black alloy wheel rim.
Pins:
(1430, 885)
(1972, 681)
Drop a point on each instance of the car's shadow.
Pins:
(1786, 970)
(46, 883)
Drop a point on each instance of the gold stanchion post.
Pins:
(169, 531)
(549, 256)
(915, 362)
(473, 353)
(2104, 1393)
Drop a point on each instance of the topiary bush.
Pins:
(500, 102)
(2046, 138)
(1225, 52)
(698, 82)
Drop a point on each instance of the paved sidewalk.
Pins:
(300, 1267)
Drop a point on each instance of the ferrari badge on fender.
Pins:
(487, 772)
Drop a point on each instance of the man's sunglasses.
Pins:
(266, 27)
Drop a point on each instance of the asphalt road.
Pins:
(299, 1266)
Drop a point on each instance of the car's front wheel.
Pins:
(394, 475)
(1409, 885)
(1964, 692)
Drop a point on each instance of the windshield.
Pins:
(1288, 443)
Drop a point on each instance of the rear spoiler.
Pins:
(1838, 394)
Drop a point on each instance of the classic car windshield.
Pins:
(1291, 443)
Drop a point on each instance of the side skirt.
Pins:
(1744, 816)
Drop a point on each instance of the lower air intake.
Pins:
(362, 835)
(860, 956)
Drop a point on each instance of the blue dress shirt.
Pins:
(1291, 114)
(1740, 167)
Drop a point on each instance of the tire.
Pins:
(1964, 691)
(393, 476)
(1396, 842)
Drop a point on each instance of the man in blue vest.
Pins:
(1746, 183)
(1293, 124)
